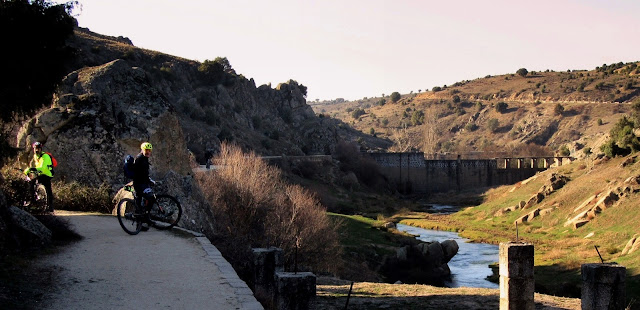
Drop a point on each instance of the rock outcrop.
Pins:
(555, 182)
(594, 205)
(422, 263)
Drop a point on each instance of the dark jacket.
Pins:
(141, 169)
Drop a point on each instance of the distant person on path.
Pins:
(141, 181)
(42, 162)
(208, 156)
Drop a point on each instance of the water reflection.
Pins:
(470, 267)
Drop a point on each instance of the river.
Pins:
(470, 267)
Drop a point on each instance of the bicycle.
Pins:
(162, 213)
(32, 197)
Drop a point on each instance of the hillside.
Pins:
(499, 113)
(216, 104)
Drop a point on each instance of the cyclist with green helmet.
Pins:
(41, 161)
(141, 180)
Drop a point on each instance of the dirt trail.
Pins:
(110, 269)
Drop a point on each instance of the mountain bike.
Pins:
(163, 212)
(33, 196)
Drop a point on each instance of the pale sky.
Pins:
(363, 48)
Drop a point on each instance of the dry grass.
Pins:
(332, 294)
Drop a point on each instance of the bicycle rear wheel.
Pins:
(39, 203)
(165, 212)
(129, 221)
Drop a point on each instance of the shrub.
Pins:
(522, 72)
(76, 196)
(351, 160)
(564, 151)
(436, 89)
(252, 205)
(501, 106)
(471, 126)
(493, 124)
(417, 118)
(72, 196)
(395, 96)
(357, 113)
(622, 140)
(558, 109)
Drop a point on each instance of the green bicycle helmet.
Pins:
(146, 146)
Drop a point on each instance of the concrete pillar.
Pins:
(520, 163)
(603, 286)
(533, 163)
(546, 163)
(516, 276)
(507, 163)
(266, 262)
(294, 291)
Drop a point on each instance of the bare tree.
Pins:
(429, 134)
(401, 140)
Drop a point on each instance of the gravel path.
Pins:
(110, 269)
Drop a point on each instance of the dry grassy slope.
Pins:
(561, 249)
(530, 117)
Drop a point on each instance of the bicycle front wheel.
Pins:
(129, 221)
(165, 212)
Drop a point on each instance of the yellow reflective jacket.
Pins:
(43, 163)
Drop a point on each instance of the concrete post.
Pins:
(266, 262)
(294, 291)
(516, 276)
(520, 163)
(603, 286)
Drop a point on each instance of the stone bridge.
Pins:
(415, 174)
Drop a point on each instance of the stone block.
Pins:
(516, 260)
(603, 286)
(578, 224)
(266, 262)
(294, 291)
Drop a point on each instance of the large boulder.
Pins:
(27, 231)
(424, 263)
(450, 249)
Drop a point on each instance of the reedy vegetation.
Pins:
(254, 207)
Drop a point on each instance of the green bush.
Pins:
(493, 124)
(558, 109)
(357, 113)
(471, 126)
(522, 72)
(501, 106)
(622, 140)
(395, 96)
(417, 118)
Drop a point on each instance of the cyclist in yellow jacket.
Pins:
(42, 162)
